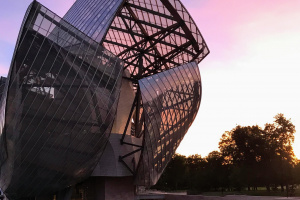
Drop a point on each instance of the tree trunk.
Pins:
(268, 187)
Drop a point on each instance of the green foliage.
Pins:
(174, 177)
(260, 156)
(249, 157)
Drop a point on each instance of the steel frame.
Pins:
(150, 40)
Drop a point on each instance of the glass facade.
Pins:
(3, 91)
(149, 36)
(157, 35)
(61, 101)
(171, 100)
(93, 17)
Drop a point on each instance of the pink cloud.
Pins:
(12, 13)
(229, 26)
(3, 70)
(57, 6)
(9, 32)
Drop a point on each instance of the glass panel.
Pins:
(170, 101)
(61, 101)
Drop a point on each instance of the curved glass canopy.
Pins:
(150, 36)
(171, 100)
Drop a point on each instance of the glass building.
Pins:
(99, 100)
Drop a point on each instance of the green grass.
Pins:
(259, 192)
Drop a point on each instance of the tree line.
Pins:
(249, 157)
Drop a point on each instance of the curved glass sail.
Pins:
(154, 35)
(149, 36)
(93, 17)
(171, 100)
(62, 96)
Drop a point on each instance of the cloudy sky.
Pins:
(251, 74)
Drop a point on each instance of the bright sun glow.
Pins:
(251, 74)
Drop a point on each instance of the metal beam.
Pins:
(126, 31)
(142, 28)
(140, 21)
(151, 37)
(178, 18)
(129, 118)
(164, 59)
(150, 11)
(129, 154)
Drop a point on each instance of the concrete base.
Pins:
(109, 164)
(106, 188)
(119, 188)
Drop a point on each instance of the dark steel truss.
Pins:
(154, 36)
(137, 129)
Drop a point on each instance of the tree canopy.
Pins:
(248, 157)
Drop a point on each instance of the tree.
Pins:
(217, 172)
(296, 173)
(280, 154)
(196, 173)
(263, 156)
(174, 177)
(249, 156)
(243, 148)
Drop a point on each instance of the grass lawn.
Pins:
(260, 192)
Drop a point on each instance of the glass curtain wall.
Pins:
(171, 100)
(62, 97)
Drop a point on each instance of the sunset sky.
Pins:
(251, 74)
